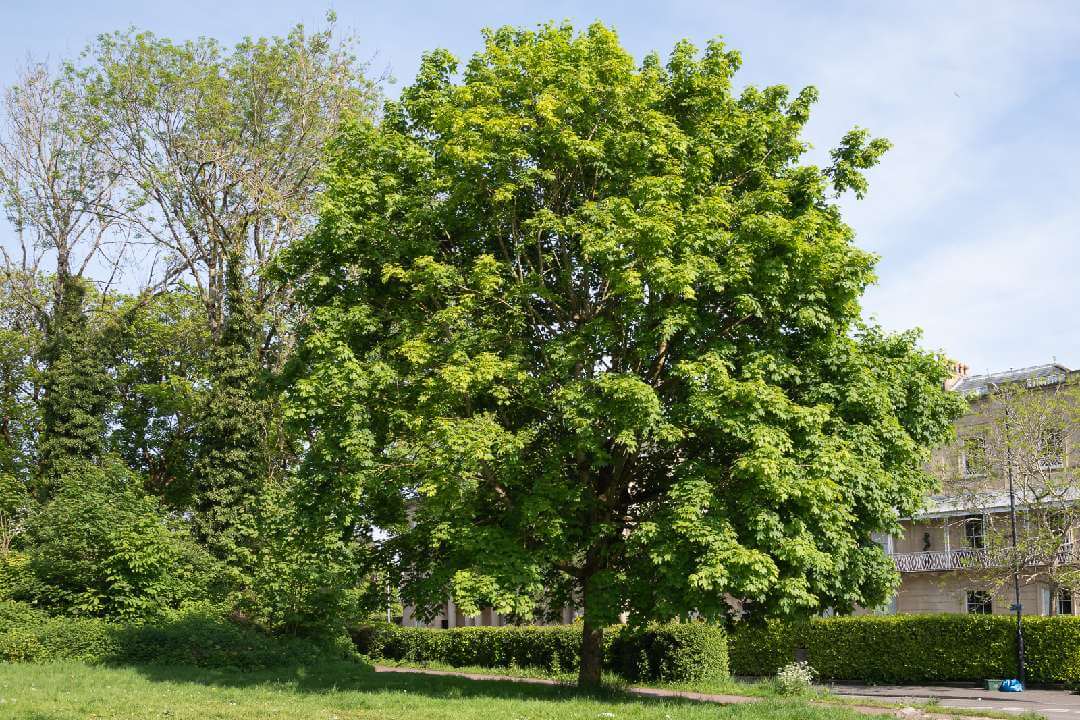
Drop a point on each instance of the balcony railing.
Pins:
(973, 558)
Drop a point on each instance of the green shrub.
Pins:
(103, 547)
(19, 644)
(29, 635)
(206, 640)
(673, 653)
(16, 614)
(552, 648)
(761, 650)
(670, 653)
(1052, 649)
(16, 578)
(913, 648)
(194, 637)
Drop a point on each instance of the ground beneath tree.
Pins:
(1053, 703)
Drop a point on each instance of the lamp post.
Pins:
(1016, 555)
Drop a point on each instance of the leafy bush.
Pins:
(16, 614)
(16, 578)
(1052, 649)
(673, 652)
(553, 648)
(670, 653)
(760, 650)
(795, 678)
(913, 648)
(200, 638)
(101, 547)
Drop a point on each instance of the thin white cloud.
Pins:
(996, 301)
(975, 209)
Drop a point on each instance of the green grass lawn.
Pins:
(341, 691)
(730, 686)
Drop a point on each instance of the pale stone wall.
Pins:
(946, 592)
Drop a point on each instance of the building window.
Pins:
(973, 459)
(979, 603)
(974, 531)
(1052, 449)
(1064, 599)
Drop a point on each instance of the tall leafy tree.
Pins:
(231, 449)
(77, 387)
(56, 185)
(217, 150)
(217, 153)
(585, 331)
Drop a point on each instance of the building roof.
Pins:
(1034, 376)
(939, 506)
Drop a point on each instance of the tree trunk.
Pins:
(592, 653)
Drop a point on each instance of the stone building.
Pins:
(944, 557)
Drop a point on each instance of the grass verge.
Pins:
(765, 689)
(337, 691)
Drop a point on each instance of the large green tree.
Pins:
(590, 331)
(585, 331)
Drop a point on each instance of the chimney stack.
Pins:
(959, 371)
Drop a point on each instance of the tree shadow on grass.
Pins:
(343, 676)
(209, 651)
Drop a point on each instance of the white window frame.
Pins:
(1062, 458)
(968, 603)
(963, 458)
(1072, 601)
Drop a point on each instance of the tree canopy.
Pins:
(150, 183)
(584, 330)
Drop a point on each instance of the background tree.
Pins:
(587, 332)
(1023, 431)
(162, 364)
(150, 183)
(57, 185)
(217, 152)
(78, 532)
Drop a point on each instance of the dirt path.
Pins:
(683, 694)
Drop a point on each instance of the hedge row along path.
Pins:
(688, 695)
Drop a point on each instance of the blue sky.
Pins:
(975, 212)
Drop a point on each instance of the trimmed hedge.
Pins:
(194, 638)
(670, 653)
(1052, 649)
(553, 648)
(675, 652)
(913, 648)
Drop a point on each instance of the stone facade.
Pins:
(940, 554)
(452, 617)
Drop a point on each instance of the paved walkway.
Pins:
(1037, 700)
(1051, 703)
